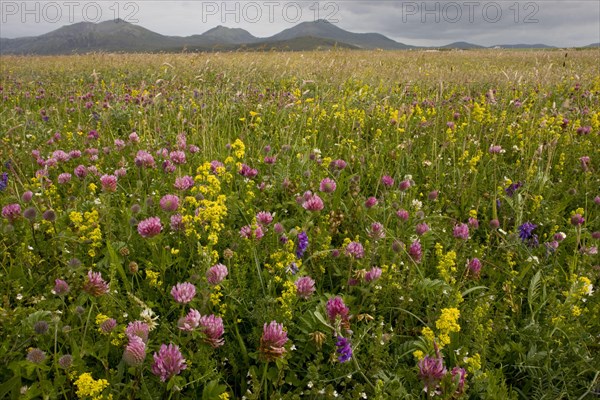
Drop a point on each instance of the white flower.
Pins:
(417, 204)
(149, 317)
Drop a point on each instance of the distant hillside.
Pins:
(306, 43)
(300, 44)
(326, 30)
(121, 36)
(523, 46)
(224, 35)
(462, 46)
(116, 35)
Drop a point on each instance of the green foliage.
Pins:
(523, 323)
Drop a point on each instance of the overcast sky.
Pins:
(425, 23)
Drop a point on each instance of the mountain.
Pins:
(121, 36)
(462, 46)
(222, 34)
(303, 43)
(523, 46)
(327, 30)
(593, 45)
(115, 35)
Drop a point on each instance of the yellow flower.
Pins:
(287, 298)
(446, 324)
(447, 264)
(428, 334)
(448, 320)
(152, 278)
(239, 149)
(473, 363)
(100, 318)
(76, 218)
(586, 287)
(88, 387)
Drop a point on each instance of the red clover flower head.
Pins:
(373, 274)
(168, 362)
(95, 285)
(415, 251)
(422, 228)
(212, 327)
(184, 183)
(387, 181)
(63, 178)
(264, 218)
(177, 157)
(143, 159)
(461, 231)
(371, 202)
(190, 322)
(11, 212)
(216, 274)
(305, 287)
(184, 292)
(252, 232)
(336, 308)
(312, 202)
(169, 202)
(474, 267)
(327, 185)
(149, 227)
(355, 249)
(135, 352)
(402, 214)
(138, 328)
(273, 340)
(109, 183)
(377, 231)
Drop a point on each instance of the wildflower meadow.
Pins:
(317, 225)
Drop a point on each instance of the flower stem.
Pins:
(263, 381)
